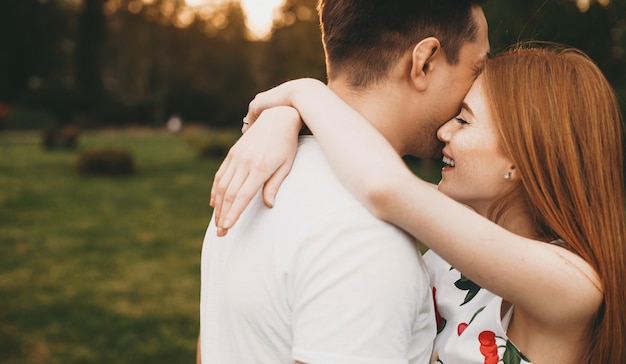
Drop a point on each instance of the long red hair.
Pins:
(560, 124)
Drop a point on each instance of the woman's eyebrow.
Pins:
(465, 106)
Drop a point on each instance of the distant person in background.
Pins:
(319, 279)
(174, 124)
(533, 272)
(4, 115)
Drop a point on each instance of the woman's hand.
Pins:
(263, 155)
(281, 95)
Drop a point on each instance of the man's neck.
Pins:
(375, 104)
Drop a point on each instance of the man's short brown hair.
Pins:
(364, 38)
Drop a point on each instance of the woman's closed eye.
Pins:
(461, 121)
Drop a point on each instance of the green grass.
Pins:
(101, 270)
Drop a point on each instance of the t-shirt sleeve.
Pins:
(357, 288)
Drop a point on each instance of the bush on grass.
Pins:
(49, 138)
(105, 162)
(217, 144)
(211, 150)
(67, 137)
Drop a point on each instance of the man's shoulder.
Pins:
(312, 182)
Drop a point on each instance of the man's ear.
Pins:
(424, 57)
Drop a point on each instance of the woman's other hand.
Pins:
(262, 156)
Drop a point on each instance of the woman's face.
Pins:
(476, 170)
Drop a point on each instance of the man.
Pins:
(317, 278)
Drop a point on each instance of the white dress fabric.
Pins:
(470, 329)
(316, 279)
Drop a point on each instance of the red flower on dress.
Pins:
(489, 347)
(441, 322)
(462, 326)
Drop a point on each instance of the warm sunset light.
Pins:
(195, 3)
(583, 5)
(259, 13)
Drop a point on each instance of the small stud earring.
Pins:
(507, 175)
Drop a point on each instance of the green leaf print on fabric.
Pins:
(463, 325)
(465, 284)
(512, 355)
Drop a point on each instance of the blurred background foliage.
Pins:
(98, 63)
(95, 63)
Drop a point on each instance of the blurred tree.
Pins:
(90, 38)
(184, 63)
(34, 41)
(295, 48)
(232, 76)
(149, 59)
(596, 27)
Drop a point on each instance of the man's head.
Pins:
(416, 58)
(364, 39)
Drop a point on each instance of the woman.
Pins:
(531, 273)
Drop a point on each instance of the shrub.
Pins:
(217, 144)
(211, 150)
(105, 162)
(67, 137)
(49, 138)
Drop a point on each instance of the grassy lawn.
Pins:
(101, 270)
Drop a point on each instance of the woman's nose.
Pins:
(443, 133)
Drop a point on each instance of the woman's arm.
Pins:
(546, 281)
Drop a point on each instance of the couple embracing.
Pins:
(526, 229)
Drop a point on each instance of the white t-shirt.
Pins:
(316, 279)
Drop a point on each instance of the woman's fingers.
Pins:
(263, 155)
(271, 187)
(239, 196)
(220, 183)
(236, 200)
(232, 193)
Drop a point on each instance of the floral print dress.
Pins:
(469, 324)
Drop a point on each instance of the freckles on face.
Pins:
(474, 164)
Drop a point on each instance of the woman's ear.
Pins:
(426, 55)
(512, 173)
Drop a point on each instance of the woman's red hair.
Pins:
(560, 124)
